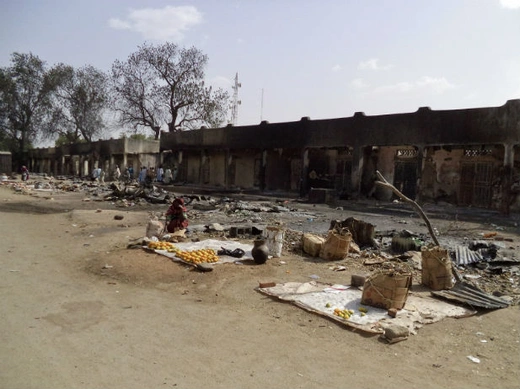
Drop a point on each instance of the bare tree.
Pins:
(79, 103)
(25, 91)
(164, 85)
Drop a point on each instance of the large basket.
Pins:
(336, 245)
(386, 289)
(436, 268)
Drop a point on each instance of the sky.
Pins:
(296, 58)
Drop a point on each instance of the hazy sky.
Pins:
(322, 59)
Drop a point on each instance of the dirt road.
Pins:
(69, 321)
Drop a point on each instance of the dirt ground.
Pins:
(81, 310)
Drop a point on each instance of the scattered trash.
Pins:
(473, 359)
(236, 253)
(395, 333)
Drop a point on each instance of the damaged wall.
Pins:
(244, 169)
(433, 160)
(218, 166)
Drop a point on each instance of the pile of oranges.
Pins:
(198, 256)
(347, 313)
(343, 313)
(193, 256)
(160, 245)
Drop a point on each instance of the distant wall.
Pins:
(6, 162)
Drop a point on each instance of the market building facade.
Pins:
(464, 156)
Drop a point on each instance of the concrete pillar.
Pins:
(227, 164)
(203, 158)
(357, 169)
(304, 179)
(420, 167)
(263, 169)
(507, 178)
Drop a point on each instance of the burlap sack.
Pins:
(436, 268)
(386, 289)
(312, 244)
(154, 228)
(336, 245)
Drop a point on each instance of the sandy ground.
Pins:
(69, 321)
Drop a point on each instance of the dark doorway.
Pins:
(405, 177)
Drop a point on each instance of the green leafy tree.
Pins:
(79, 102)
(137, 136)
(25, 101)
(164, 85)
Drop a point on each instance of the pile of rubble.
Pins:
(489, 263)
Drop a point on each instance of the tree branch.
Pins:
(384, 183)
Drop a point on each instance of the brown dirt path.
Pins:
(146, 322)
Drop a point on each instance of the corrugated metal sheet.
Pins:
(464, 256)
(472, 296)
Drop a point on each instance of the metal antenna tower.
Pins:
(236, 101)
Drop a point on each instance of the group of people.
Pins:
(146, 176)
(149, 175)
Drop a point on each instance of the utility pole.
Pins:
(236, 101)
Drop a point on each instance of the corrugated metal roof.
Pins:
(472, 296)
(465, 256)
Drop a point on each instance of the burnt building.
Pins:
(464, 156)
(81, 158)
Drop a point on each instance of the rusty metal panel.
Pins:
(483, 184)
(476, 184)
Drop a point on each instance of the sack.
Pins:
(336, 245)
(436, 268)
(154, 228)
(312, 244)
(386, 289)
(274, 240)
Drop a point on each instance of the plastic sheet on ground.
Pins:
(322, 299)
(215, 245)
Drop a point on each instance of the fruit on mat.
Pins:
(198, 256)
(193, 256)
(160, 245)
(343, 313)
